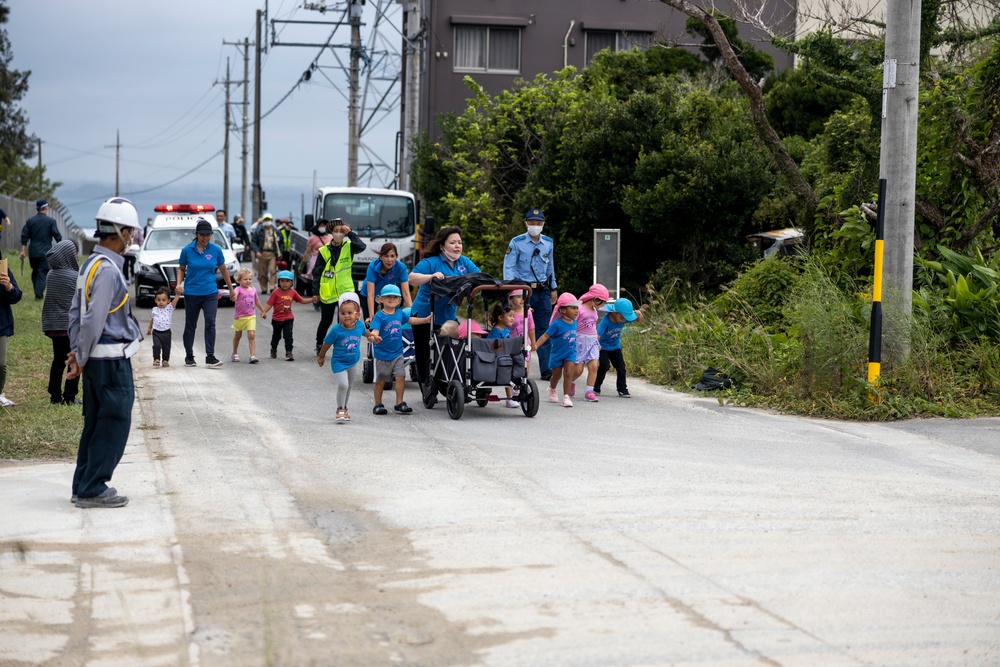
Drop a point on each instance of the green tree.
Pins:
(758, 64)
(15, 142)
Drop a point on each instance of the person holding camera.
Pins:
(530, 257)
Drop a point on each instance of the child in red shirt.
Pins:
(281, 301)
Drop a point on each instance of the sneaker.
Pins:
(597, 390)
(74, 497)
(511, 403)
(624, 394)
(190, 362)
(403, 408)
(166, 364)
(289, 357)
(567, 401)
(212, 362)
(379, 410)
(572, 389)
(235, 358)
(156, 363)
(340, 415)
(591, 396)
(109, 498)
(346, 417)
(553, 398)
(6, 402)
(274, 354)
(253, 360)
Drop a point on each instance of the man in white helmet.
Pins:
(103, 336)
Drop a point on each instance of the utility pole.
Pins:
(118, 155)
(225, 168)
(256, 127)
(410, 75)
(40, 179)
(353, 131)
(246, 127)
(898, 166)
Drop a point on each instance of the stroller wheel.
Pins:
(529, 398)
(456, 399)
(483, 397)
(429, 395)
(368, 371)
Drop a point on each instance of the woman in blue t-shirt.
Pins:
(199, 261)
(386, 269)
(443, 258)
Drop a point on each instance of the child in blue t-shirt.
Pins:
(562, 356)
(344, 340)
(609, 333)
(387, 335)
(501, 320)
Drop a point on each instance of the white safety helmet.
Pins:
(114, 214)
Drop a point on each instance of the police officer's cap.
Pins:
(534, 214)
(203, 227)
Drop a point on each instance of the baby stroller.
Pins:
(468, 369)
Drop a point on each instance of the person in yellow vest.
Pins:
(332, 275)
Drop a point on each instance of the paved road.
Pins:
(661, 530)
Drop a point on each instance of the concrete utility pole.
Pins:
(898, 166)
(354, 133)
(41, 181)
(225, 169)
(118, 155)
(411, 69)
(245, 44)
(256, 129)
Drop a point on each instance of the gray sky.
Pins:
(147, 69)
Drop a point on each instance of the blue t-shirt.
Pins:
(199, 274)
(609, 333)
(443, 311)
(499, 332)
(345, 346)
(563, 338)
(390, 328)
(395, 276)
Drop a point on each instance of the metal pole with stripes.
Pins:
(875, 336)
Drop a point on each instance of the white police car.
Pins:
(172, 229)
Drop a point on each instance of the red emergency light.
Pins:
(184, 208)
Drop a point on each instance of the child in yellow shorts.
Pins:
(244, 317)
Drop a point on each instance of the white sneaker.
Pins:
(6, 402)
(567, 401)
(511, 403)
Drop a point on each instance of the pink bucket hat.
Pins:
(565, 299)
(463, 329)
(596, 291)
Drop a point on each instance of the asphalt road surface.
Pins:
(664, 529)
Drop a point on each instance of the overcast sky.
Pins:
(148, 69)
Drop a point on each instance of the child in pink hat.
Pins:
(588, 348)
(562, 357)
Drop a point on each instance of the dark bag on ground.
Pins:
(713, 379)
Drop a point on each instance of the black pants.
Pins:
(611, 358)
(108, 394)
(128, 267)
(327, 313)
(282, 328)
(422, 350)
(193, 305)
(161, 344)
(60, 348)
(39, 274)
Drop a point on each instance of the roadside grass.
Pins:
(34, 428)
(793, 341)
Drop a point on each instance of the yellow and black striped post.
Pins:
(875, 335)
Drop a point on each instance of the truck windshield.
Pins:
(377, 216)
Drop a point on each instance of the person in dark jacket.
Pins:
(10, 293)
(39, 232)
(64, 268)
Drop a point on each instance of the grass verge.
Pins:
(34, 428)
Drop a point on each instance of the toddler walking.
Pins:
(244, 317)
(562, 356)
(282, 320)
(160, 325)
(387, 335)
(345, 341)
(588, 349)
(609, 333)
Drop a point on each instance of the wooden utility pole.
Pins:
(898, 166)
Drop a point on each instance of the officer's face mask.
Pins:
(535, 231)
(337, 237)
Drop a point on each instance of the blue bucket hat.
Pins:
(624, 308)
(390, 290)
(286, 275)
(535, 214)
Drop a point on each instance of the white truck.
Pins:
(377, 215)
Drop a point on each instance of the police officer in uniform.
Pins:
(103, 337)
(530, 258)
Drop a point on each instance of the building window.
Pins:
(488, 49)
(598, 40)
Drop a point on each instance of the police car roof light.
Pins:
(184, 208)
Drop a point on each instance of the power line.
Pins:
(170, 182)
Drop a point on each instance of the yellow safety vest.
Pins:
(336, 278)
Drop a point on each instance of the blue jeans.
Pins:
(108, 394)
(541, 306)
(193, 305)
